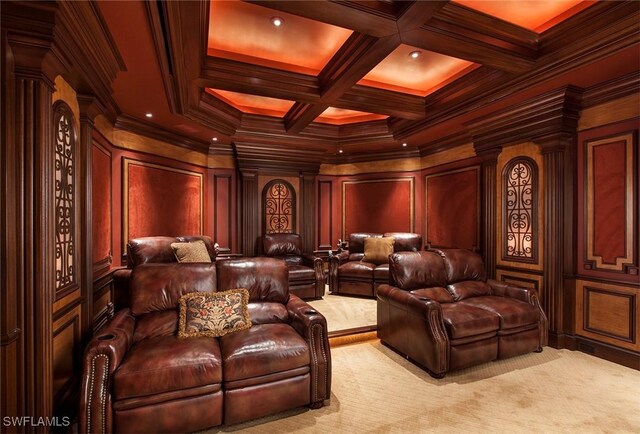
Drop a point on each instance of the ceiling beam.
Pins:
(417, 13)
(302, 114)
(373, 18)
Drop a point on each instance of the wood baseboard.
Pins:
(621, 356)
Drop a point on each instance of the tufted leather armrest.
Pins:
(312, 326)
(311, 261)
(102, 357)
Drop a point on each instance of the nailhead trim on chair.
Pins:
(102, 394)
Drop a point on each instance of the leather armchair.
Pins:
(156, 250)
(350, 275)
(306, 278)
(138, 376)
(441, 311)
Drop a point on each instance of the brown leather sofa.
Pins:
(155, 250)
(442, 312)
(306, 278)
(350, 275)
(138, 376)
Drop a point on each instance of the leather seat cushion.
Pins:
(262, 350)
(168, 363)
(462, 320)
(436, 293)
(512, 313)
(267, 313)
(300, 273)
(381, 272)
(357, 270)
(290, 260)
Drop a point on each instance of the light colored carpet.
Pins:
(344, 312)
(375, 390)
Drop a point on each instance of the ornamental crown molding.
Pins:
(553, 112)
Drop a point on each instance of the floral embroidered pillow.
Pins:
(213, 313)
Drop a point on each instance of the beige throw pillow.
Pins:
(213, 314)
(377, 250)
(191, 252)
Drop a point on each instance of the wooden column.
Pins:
(249, 212)
(28, 278)
(489, 207)
(308, 208)
(89, 109)
(559, 236)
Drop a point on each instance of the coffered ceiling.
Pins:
(362, 76)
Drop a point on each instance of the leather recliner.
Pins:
(139, 376)
(442, 312)
(350, 275)
(306, 278)
(156, 250)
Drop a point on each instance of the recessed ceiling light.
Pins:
(415, 54)
(340, 151)
(404, 144)
(215, 139)
(277, 21)
(149, 115)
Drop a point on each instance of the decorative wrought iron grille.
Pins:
(519, 205)
(279, 207)
(64, 197)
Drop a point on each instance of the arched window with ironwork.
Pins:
(65, 195)
(519, 205)
(278, 207)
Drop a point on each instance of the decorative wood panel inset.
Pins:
(66, 351)
(65, 185)
(278, 207)
(608, 313)
(519, 209)
(222, 215)
(452, 201)
(523, 280)
(380, 205)
(610, 191)
(101, 202)
(160, 200)
(325, 212)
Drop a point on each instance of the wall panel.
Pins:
(382, 205)
(101, 200)
(608, 199)
(608, 313)
(325, 215)
(452, 200)
(161, 200)
(223, 210)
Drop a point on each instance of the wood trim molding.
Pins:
(104, 264)
(409, 179)
(611, 90)
(126, 163)
(624, 263)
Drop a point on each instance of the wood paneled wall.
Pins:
(607, 296)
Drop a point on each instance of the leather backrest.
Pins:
(157, 287)
(414, 270)
(266, 279)
(212, 248)
(282, 244)
(150, 250)
(356, 241)
(462, 264)
(405, 241)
